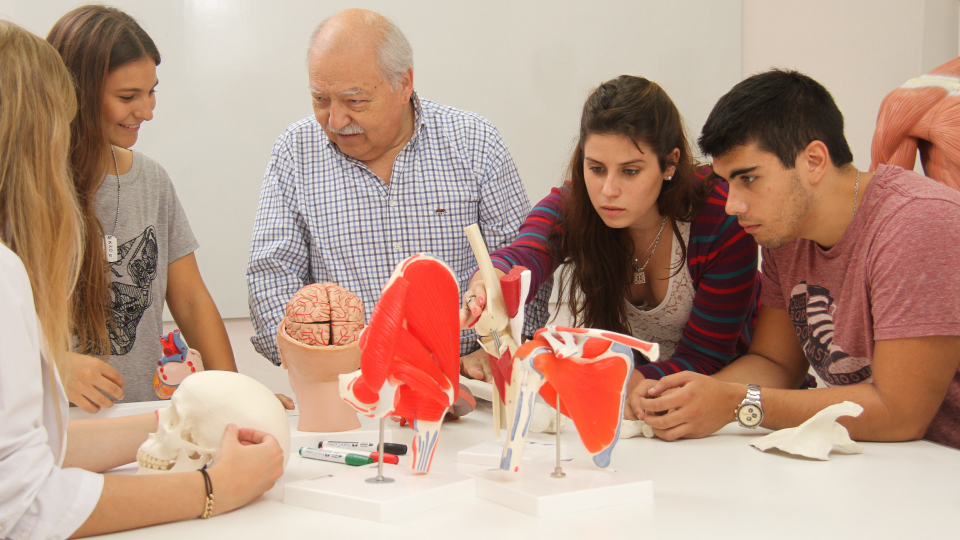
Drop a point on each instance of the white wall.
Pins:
(859, 49)
(233, 77)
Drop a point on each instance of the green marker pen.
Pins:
(335, 456)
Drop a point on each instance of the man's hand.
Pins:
(286, 402)
(86, 379)
(687, 405)
(633, 395)
(476, 365)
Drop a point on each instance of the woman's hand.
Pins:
(90, 383)
(250, 462)
(474, 301)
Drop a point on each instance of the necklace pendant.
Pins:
(110, 247)
(639, 277)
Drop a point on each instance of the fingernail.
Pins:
(481, 299)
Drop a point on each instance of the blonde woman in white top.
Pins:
(48, 489)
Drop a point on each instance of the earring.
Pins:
(667, 179)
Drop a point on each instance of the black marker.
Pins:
(396, 449)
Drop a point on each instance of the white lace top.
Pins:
(664, 323)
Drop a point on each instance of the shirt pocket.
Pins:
(438, 223)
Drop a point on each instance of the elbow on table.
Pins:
(896, 428)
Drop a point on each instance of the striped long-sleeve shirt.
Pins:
(722, 260)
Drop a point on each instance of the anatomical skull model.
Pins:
(410, 353)
(318, 341)
(190, 431)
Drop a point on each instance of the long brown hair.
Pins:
(93, 41)
(39, 220)
(598, 274)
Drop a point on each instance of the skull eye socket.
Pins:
(189, 438)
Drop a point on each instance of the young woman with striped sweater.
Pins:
(646, 246)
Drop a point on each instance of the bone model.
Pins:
(589, 370)
(816, 437)
(324, 314)
(410, 353)
(500, 325)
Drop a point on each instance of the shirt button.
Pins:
(397, 246)
(394, 203)
(22, 535)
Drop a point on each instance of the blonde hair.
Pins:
(39, 219)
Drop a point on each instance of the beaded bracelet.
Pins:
(208, 509)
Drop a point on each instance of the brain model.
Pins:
(324, 314)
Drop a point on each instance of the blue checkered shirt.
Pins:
(325, 217)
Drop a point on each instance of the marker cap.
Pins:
(356, 460)
(387, 458)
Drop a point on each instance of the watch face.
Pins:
(749, 415)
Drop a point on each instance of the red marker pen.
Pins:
(387, 458)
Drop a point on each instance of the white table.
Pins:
(713, 488)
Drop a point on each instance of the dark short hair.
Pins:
(782, 112)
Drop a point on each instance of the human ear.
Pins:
(813, 161)
(671, 159)
(406, 85)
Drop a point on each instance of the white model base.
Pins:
(488, 453)
(349, 494)
(533, 491)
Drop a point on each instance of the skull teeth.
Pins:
(149, 462)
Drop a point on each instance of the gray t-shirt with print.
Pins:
(152, 231)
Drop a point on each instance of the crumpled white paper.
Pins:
(816, 437)
(634, 428)
(544, 418)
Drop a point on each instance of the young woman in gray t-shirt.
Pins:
(139, 249)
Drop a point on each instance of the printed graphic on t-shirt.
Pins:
(130, 290)
(811, 311)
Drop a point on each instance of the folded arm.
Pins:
(910, 379)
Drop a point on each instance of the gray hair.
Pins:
(394, 54)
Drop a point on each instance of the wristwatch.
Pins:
(750, 412)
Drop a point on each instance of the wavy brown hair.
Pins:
(93, 41)
(598, 274)
(39, 220)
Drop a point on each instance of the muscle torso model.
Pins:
(923, 114)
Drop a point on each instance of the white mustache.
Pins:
(349, 129)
